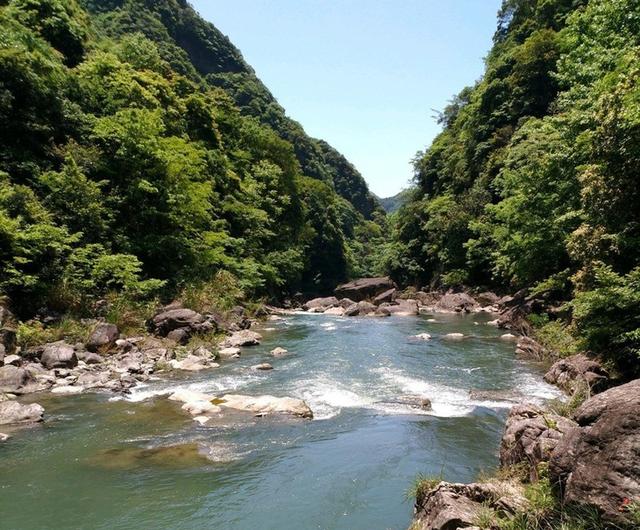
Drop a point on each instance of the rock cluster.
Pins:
(577, 373)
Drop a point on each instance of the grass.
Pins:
(129, 315)
(568, 408)
(421, 485)
(34, 333)
(221, 293)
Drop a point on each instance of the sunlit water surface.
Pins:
(92, 465)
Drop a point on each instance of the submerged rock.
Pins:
(421, 336)
(12, 412)
(262, 366)
(453, 336)
(597, 463)
(266, 405)
(279, 352)
(171, 456)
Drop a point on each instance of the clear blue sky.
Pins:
(362, 74)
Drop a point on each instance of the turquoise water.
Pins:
(100, 463)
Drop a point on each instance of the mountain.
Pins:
(141, 155)
(393, 204)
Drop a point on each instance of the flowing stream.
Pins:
(102, 463)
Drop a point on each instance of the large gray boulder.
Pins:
(321, 304)
(597, 463)
(180, 318)
(13, 378)
(58, 355)
(241, 338)
(577, 372)
(364, 288)
(456, 303)
(530, 437)
(12, 412)
(103, 337)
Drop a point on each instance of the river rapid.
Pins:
(100, 462)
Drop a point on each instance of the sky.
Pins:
(364, 75)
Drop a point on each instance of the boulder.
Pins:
(93, 358)
(352, 311)
(597, 463)
(530, 437)
(67, 389)
(487, 298)
(402, 307)
(58, 355)
(242, 338)
(382, 312)
(366, 308)
(262, 405)
(336, 311)
(103, 337)
(429, 299)
(577, 372)
(364, 288)
(509, 337)
(180, 335)
(184, 395)
(385, 297)
(456, 303)
(12, 378)
(421, 336)
(528, 348)
(192, 363)
(200, 407)
(321, 304)
(279, 352)
(345, 303)
(12, 412)
(15, 360)
(4, 437)
(176, 318)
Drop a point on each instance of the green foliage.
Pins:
(533, 180)
(34, 333)
(140, 155)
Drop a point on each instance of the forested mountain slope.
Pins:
(139, 153)
(534, 180)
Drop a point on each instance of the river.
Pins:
(94, 465)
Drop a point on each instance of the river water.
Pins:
(102, 463)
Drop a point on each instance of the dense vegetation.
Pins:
(140, 154)
(534, 179)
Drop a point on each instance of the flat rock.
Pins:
(266, 405)
(242, 338)
(228, 353)
(321, 304)
(453, 336)
(200, 407)
(597, 463)
(12, 412)
(67, 389)
(336, 311)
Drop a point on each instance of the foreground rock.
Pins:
(449, 506)
(12, 412)
(262, 405)
(242, 338)
(578, 372)
(597, 463)
(364, 288)
(530, 437)
(13, 379)
(320, 305)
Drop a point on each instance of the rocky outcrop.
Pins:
(576, 373)
(449, 506)
(597, 463)
(262, 405)
(530, 437)
(58, 355)
(103, 338)
(364, 288)
(385, 297)
(12, 412)
(456, 303)
(242, 338)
